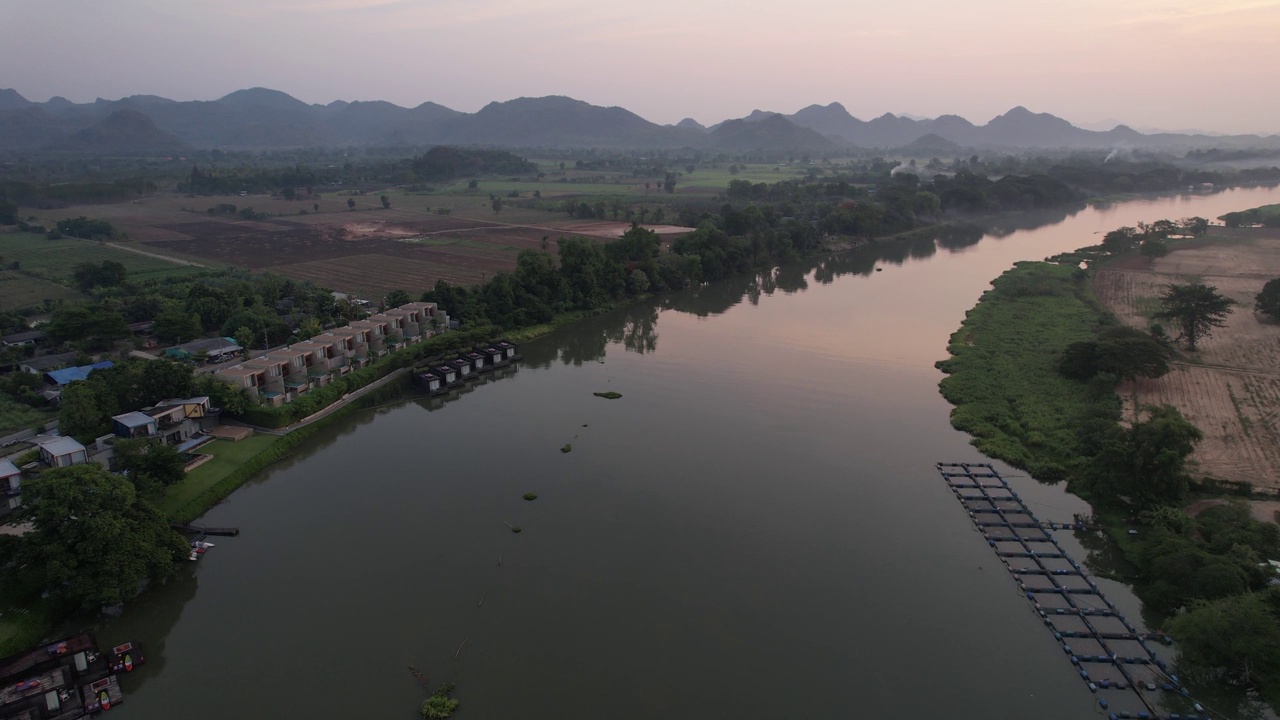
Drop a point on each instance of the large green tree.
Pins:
(176, 325)
(92, 538)
(1238, 635)
(1196, 309)
(1268, 301)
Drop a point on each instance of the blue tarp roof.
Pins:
(69, 375)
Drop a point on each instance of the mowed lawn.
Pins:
(227, 456)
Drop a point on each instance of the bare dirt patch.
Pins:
(1230, 387)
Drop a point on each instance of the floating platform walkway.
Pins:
(1110, 655)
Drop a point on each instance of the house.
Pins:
(509, 350)
(494, 356)
(375, 334)
(30, 337)
(10, 487)
(448, 374)
(478, 362)
(133, 425)
(41, 365)
(319, 363)
(353, 341)
(179, 419)
(464, 369)
(255, 382)
(293, 363)
(215, 349)
(431, 381)
(59, 452)
(66, 376)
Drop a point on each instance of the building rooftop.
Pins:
(7, 468)
(133, 419)
(61, 446)
(70, 375)
(22, 337)
(48, 362)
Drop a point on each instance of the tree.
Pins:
(1146, 462)
(79, 414)
(243, 337)
(315, 206)
(496, 204)
(93, 327)
(1195, 226)
(8, 212)
(397, 297)
(386, 202)
(1196, 308)
(351, 203)
(1129, 354)
(1239, 635)
(92, 538)
(1268, 301)
(176, 325)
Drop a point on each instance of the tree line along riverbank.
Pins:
(1016, 381)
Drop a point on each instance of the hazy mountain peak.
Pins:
(263, 97)
(691, 123)
(10, 99)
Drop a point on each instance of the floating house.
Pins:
(431, 382)
(466, 371)
(63, 680)
(449, 374)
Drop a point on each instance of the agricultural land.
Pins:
(345, 239)
(1230, 387)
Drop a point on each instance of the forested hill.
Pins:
(259, 118)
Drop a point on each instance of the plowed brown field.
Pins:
(1230, 387)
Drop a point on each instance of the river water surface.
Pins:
(754, 530)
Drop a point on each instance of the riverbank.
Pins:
(1192, 571)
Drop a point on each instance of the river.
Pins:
(754, 530)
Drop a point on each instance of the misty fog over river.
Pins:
(754, 530)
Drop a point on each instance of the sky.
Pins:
(1170, 64)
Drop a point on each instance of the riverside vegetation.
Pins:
(1033, 374)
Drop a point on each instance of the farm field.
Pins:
(451, 233)
(1230, 387)
(44, 268)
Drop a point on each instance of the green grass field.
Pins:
(18, 291)
(227, 456)
(14, 416)
(55, 259)
(1002, 375)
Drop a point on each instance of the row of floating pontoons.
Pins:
(1111, 656)
(440, 376)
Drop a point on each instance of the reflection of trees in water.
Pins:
(1005, 225)
(635, 326)
(149, 619)
(638, 332)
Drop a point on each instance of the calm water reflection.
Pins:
(755, 529)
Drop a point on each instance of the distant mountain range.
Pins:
(259, 118)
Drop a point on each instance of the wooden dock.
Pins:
(1111, 656)
(191, 529)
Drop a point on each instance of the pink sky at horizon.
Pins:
(1169, 64)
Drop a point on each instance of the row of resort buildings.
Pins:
(281, 376)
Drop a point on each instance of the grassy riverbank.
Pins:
(1002, 374)
(1205, 576)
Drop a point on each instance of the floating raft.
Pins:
(1110, 655)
